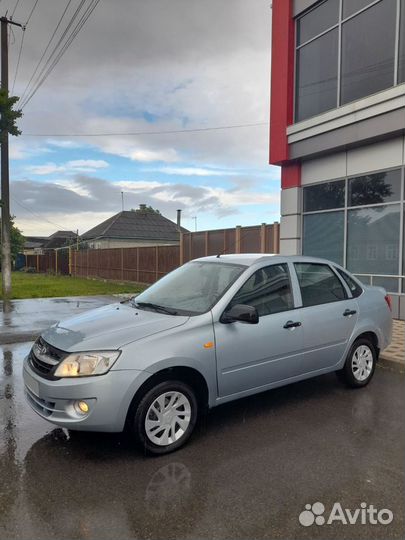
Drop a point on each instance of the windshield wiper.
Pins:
(156, 307)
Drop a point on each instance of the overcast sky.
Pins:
(145, 65)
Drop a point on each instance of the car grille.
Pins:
(44, 358)
(43, 407)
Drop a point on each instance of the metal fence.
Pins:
(141, 264)
(257, 239)
(148, 264)
(52, 261)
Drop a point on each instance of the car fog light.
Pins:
(82, 406)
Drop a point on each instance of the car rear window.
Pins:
(355, 289)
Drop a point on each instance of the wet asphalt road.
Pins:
(247, 473)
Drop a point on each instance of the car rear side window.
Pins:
(355, 289)
(268, 290)
(319, 284)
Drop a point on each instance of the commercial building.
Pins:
(337, 129)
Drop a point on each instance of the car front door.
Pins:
(251, 356)
(329, 315)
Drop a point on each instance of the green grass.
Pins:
(46, 286)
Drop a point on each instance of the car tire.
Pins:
(360, 364)
(165, 417)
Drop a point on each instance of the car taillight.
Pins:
(389, 301)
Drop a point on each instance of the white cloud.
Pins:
(195, 171)
(70, 167)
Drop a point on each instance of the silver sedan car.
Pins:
(214, 330)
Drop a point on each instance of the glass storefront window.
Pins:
(373, 240)
(352, 6)
(389, 284)
(317, 76)
(325, 196)
(368, 54)
(401, 56)
(317, 21)
(324, 235)
(377, 188)
(369, 47)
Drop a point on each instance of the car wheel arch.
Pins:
(186, 374)
(370, 335)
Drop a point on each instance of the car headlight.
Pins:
(85, 364)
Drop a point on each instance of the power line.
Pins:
(15, 7)
(31, 12)
(89, 10)
(19, 58)
(55, 47)
(42, 218)
(138, 133)
(47, 47)
(65, 47)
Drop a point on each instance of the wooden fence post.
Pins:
(37, 262)
(56, 261)
(122, 264)
(263, 238)
(237, 238)
(137, 264)
(181, 250)
(206, 242)
(276, 237)
(87, 263)
(70, 260)
(157, 263)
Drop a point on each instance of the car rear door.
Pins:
(329, 315)
(254, 355)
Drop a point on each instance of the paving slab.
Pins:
(24, 320)
(395, 353)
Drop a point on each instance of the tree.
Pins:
(147, 209)
(8, 116)
(16, 239)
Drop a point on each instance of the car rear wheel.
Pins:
(165, 417)
(360, 364)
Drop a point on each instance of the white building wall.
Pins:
(358, 161)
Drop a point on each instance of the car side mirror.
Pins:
(242, 313)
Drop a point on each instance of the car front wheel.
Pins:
(360, 364)
(165, 417)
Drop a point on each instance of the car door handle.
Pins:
(291, 324)
(349, 312)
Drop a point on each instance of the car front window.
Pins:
(192, 289)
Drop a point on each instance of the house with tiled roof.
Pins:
(134, 229)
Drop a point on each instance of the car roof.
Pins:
(249, 259)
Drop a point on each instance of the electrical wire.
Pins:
(66, 45)
(85, 16)
(19, 58)
(139, 133)
(14, 10)
(31, 12)
(53, 52)
(47, 47)
(42, 218)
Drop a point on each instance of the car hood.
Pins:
(108, 327)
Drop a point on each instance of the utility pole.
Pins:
(5, 180)
(195, 223)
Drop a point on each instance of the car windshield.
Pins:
(192, 289)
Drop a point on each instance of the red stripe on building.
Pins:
(282, 90)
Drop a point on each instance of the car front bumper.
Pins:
(108, 396)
